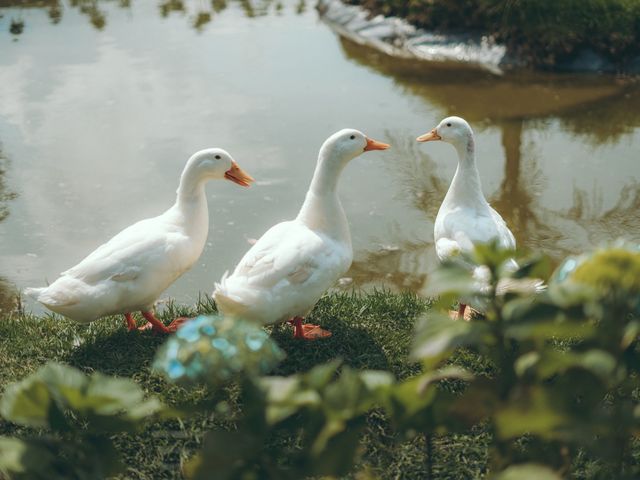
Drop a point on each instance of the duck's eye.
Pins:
(218, 157)
(352, 137)
(448, 124)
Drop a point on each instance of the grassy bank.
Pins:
(370, 331)
(543, 32)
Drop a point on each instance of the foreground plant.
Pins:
(565, 361)
(318, 416)
(71, 418)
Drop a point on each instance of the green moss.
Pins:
(541, 31)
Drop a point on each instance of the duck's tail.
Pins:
(52, 296)
(226, 302)
(34, 293)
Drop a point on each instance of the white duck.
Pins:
(465, 218)
(289, 268)
(130, 271)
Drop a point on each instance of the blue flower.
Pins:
(214, 350)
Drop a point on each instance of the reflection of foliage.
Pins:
(81, 412)
(169, 6)
(218, 5)
(605, 121)
(90, 8)
(401, 267)
(201, 19)
(9, 297)
(98, 17)
(517, 197)
(513, 97)
(4, 194)
(16, 27)
(618, 221)
(416, 171)
(596, 108)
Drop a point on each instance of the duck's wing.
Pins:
(505, 236)
(143, 245)
(288, 252)
(462, 230)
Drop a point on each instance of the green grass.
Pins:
(369, 331)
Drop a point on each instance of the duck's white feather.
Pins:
(283, 274)
(465, 218)
(458, 228)
(132, 269)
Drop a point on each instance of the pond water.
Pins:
(101, 103)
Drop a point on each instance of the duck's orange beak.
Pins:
(429, 137)
(375, 145)
(239, 176)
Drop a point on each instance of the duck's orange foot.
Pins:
(131, 323)
(307, 331)
(313, 332)
(161, 328)
(156, 326)
(177, 323)
(466, 314)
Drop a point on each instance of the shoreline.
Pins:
(397, 37)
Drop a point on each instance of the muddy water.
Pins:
(101, 104)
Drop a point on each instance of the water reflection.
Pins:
(266, 80)
(8, 294)
(200, 13)
(5, 194)
(9, 297)
(593, 109)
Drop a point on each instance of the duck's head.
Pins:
(453, 130)
(348, 143)
(216, 163)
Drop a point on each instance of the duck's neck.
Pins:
(465, 187)
(190, 210)
(322, 210)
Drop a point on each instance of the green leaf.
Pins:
(376, 380)
(27, 402)
(491, 255)
(451, 278)
(437, 335)
(538, 266)
(531, 412)
(409, 407)
(321, 375)
(335, 449)
(630, 334)
(26, 459)
(285, 396)
(478, 402)
(551, 362)
(107, 404)
(527, 471)
(445, 373)
(225, 453)
(558, 330)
